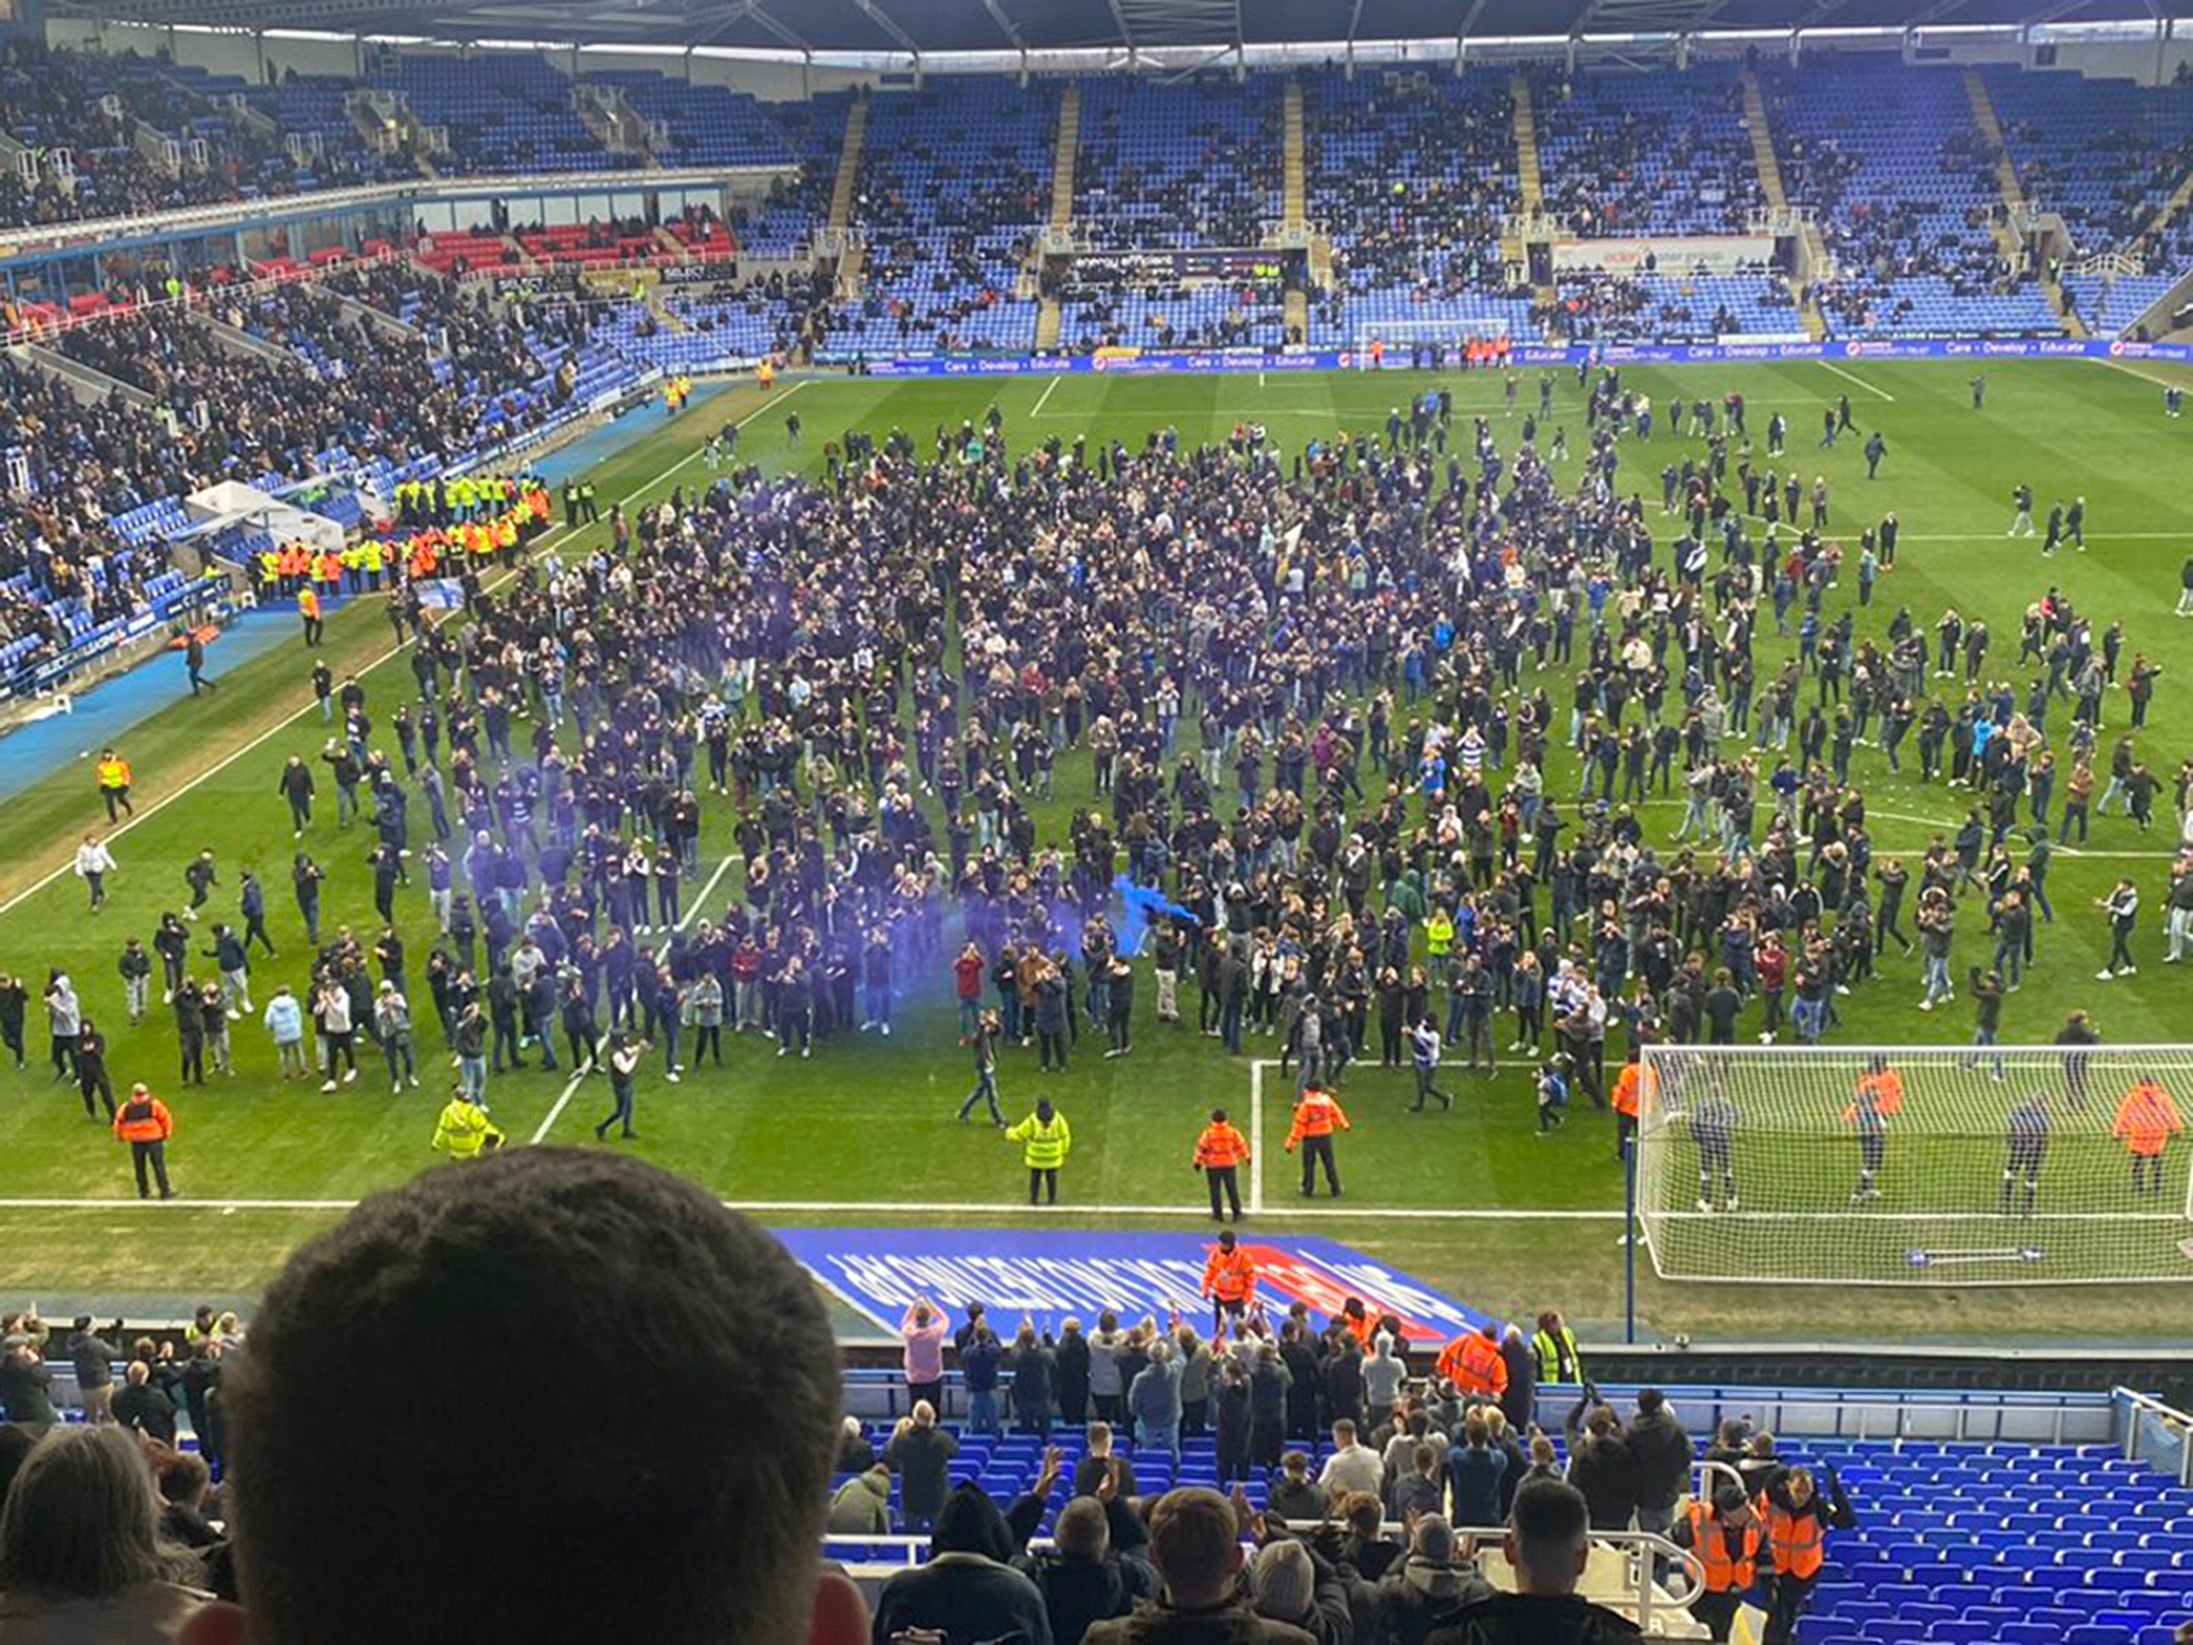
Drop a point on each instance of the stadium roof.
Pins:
(900, 29)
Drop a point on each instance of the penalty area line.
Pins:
(1853, 377)
(578, 1075)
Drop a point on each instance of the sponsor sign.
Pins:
(1051, 1275)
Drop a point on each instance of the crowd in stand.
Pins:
(1636, 162)
(1595, 305)
(1420, 212)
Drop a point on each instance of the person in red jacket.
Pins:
(145, 1124)
(967, 975)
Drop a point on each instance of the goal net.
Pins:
(1935, 1165)
(1401, 338)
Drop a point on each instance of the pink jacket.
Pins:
(924, 1347)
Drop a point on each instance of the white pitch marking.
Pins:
(578, 1075)
(1852, 377)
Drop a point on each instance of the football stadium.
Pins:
(977, 821)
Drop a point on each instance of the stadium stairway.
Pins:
(2013, 196)
(844, 188)
(1761, 131)
(1294, 193)
(1065, 151)
(1528, 176)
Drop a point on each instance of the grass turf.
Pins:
(864, 1132)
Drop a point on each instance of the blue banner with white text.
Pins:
(1051, 1275)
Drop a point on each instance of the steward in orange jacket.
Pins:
(1220, 1152)
(145, 1124)
(1473, 1364)
(1229, 1280)
(1316, 1117)
(2146, 1121)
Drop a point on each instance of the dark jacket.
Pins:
(148, 1410)
(25, 1392)
(1417, 1596)
(1161, 1624)
(1606, 1472)
(923, 1458)
(93, 1357)
(1519, 1404)
(1522, 1619)
(967, 1592)
(1077, 1592)
(1661, 1452)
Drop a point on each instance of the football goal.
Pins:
(1933, 1165)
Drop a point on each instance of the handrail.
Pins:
(2175, 1423)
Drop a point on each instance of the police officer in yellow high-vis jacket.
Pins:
(1045, 1140)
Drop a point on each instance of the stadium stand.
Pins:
(1181, 163)
(950, 190)
(502, 113)
(1411, 175)
(1888, 159)
(1649, 153)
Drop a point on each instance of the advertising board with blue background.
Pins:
(1051, 1275)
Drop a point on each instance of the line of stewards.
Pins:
(1220, 1153)
(146, 1125)
(1316, 1117)
(1777, 1539)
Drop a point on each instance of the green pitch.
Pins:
(1474, 1200)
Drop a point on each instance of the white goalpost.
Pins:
(1401, 337)
(1917, 1165)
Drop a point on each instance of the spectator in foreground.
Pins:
(704, 1531)
(1082, 1579)
(1424, 1592)
(80, 1554)
(1548, 1544)
(968, 1590)
(1195, 1543)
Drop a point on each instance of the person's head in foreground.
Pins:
(382, 1494)
(1548, 1541)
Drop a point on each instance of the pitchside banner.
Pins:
(1054, 1274)
(1124, 363)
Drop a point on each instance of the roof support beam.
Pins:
(882, 19)
(1006, 25)
(1126, 34)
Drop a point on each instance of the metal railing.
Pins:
(2159, 1435)
(1628, 1570)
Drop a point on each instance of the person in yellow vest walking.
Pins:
(1726, 1535)
(464, 1131)
(1220, 1152)
(114, 783)
(1046, 1139)
(1316, 1117)
(145, 1124)
(308, 607)
(1798, 1521)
